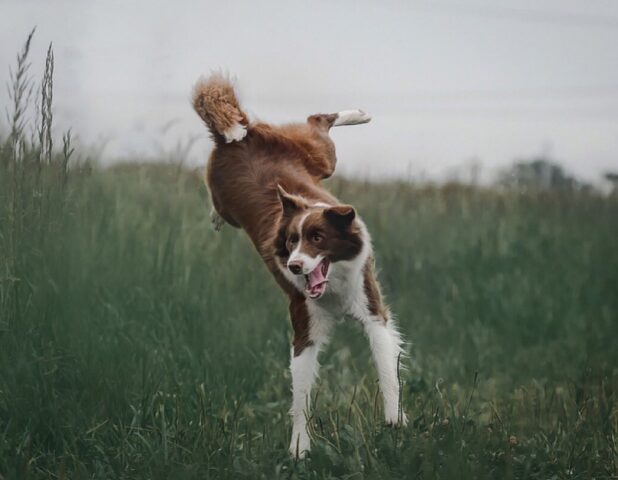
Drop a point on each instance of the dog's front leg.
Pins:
(304, 368)
(310, 333)
(385, 342)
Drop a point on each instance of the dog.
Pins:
(265, 179)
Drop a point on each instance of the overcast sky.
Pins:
(447, 82)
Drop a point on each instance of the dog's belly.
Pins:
(244, 195)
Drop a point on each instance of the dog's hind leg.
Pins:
(325, 121)
(323, 158)
(310, 333)
(216, 220)
(218, 214)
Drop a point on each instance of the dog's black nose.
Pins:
(296, 267)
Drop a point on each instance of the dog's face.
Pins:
(312, 237)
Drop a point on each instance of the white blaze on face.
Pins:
(309, 263)
(315, 269)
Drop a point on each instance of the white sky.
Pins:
(445, 81)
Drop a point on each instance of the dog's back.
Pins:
(251, 159)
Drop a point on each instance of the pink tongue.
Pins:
(316, 277)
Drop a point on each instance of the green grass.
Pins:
(135, 342)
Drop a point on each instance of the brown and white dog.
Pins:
(265, 179)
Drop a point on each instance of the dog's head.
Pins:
(311, 237)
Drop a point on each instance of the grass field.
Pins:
(135, 342)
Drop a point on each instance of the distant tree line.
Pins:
(541, 173)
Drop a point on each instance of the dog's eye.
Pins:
(316, 238)
(293, 238)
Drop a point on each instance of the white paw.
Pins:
(235, 133)
(216, 220)
(299, 445)
(351, 117)
(396, 419)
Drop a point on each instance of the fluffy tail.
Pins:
(215, 102)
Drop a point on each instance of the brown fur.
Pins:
(244, 179)
(215, 102)
(326, 231)
(372, 290)
(300, 323)
(243, 176)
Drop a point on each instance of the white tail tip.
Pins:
(235, 133)
(351, 117)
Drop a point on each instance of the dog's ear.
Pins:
(340, 216)
(289, 203)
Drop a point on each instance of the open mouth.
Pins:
(316, 280)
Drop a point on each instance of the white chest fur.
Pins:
(345, 292)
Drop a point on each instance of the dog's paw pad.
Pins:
(299, 446)
(396, 421)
